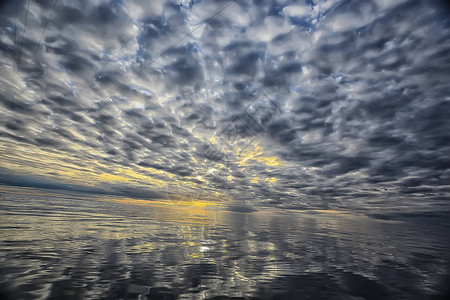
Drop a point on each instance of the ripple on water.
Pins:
(62, 248)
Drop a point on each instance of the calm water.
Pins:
(56, 246)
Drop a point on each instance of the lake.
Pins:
(72, 246)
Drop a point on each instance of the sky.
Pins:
(291, 104)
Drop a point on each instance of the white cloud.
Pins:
(361, 87)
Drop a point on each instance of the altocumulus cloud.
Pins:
(360, 89)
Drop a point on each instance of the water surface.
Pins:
(61, 246)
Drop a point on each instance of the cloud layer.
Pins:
(296, 104)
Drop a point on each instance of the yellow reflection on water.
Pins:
(180, 203)
(194, 212)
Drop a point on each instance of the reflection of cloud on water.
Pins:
(122, 247)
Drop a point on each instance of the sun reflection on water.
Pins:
(56, 244)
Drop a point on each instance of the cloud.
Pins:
(353, 102)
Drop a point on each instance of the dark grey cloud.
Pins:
(354, 102)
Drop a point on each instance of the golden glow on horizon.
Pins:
(53, 164)
(127, 175)
(66, 167)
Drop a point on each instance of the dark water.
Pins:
(55, 246)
